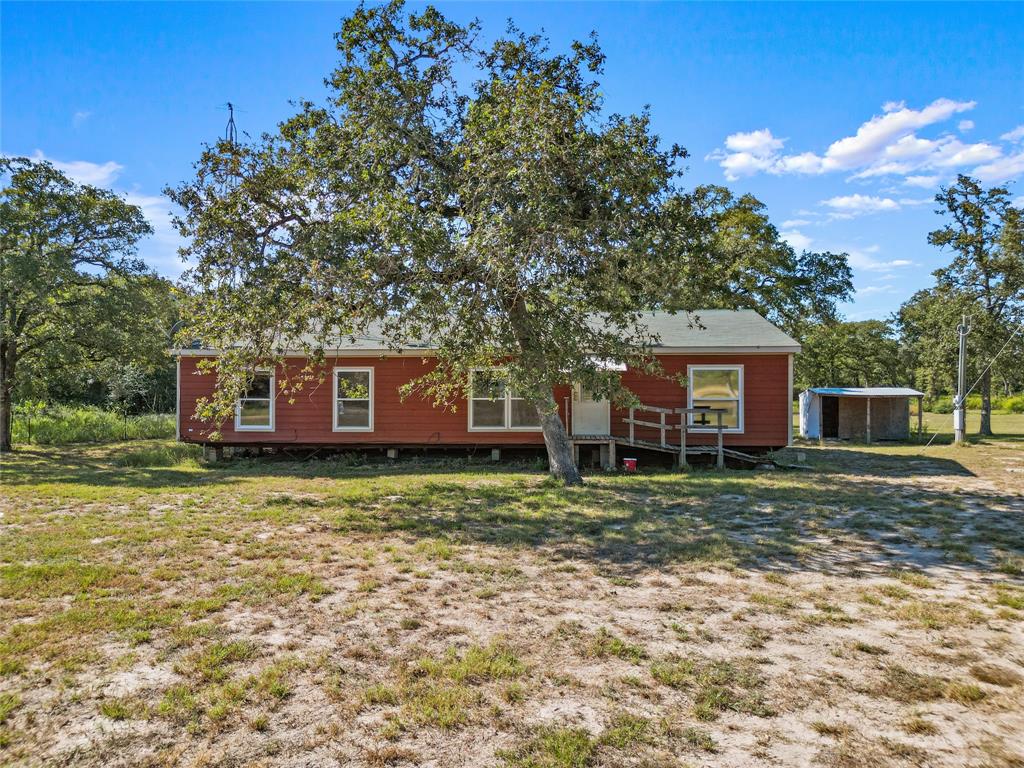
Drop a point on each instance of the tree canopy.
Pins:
(73, 294)
(850, 354)
(984, 281)
(736, 259)
(498, 218)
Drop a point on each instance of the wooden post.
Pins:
(631, 425)
(721, 456)
(682, 439)
(611, 454)
(664, 442)
(920, 416)
(868, 436)
(568, 418)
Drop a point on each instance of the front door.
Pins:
(590, 416)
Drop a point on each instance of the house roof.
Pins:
(866, 391)
(705, 330)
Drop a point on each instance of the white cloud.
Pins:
(1003, 169)
(793, 223)
(1017, 134)
(860, 204)
(80, 117)
(869, 289)
(863, 260)
(85, 172)
(756, 142)
(161, 249)
(797, 239)
(888, 144)
(925, 182)
(873, 137)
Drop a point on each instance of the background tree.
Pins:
(987, 272)
(735, 259)
(507, 220)
(850, 354)
(126, 386)
(71, 288)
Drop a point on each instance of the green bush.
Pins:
(62, 424)
(1013, 404)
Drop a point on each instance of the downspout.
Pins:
(177, 402)
(789, 406)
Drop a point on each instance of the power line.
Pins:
(997, 354)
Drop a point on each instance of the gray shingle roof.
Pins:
(716, 328)
(705, 329)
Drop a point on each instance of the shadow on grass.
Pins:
(844, 516)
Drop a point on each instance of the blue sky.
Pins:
(844, 119)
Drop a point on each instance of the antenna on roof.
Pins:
(231, 133)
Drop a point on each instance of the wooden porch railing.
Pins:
(664, 428)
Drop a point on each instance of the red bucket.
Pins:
(629, 465)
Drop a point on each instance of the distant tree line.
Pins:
(917, 346)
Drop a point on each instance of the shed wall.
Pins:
(890, 418)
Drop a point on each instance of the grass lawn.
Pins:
(160, 611)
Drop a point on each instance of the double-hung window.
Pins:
(254, 411)
(494, 405)
(353, 399)
(718, 388)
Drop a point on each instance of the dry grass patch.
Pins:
(252, 611)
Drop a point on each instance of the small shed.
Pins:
(862, 414)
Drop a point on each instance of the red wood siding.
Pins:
(766, 406)
(415, 421)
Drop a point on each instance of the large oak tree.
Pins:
(507, 219)
(985, 278)
(72, 291)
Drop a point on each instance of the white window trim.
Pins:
(239, 427)
(334, 399)
(739, 407)
(508, 409)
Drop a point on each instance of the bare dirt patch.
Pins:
(870, 611)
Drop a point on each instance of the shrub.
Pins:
(1014, 404)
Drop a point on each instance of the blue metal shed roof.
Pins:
(866, 391)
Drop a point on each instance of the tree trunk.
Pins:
(561, 464)
(5, 419)
(7, 360)
(986, 404)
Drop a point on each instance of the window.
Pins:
(717, 387)
(353, 399)
(255, 409)
(494, 405)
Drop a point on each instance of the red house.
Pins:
(736, 363)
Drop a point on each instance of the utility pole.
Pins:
(960, 403)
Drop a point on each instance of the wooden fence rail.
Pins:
(664, 428)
